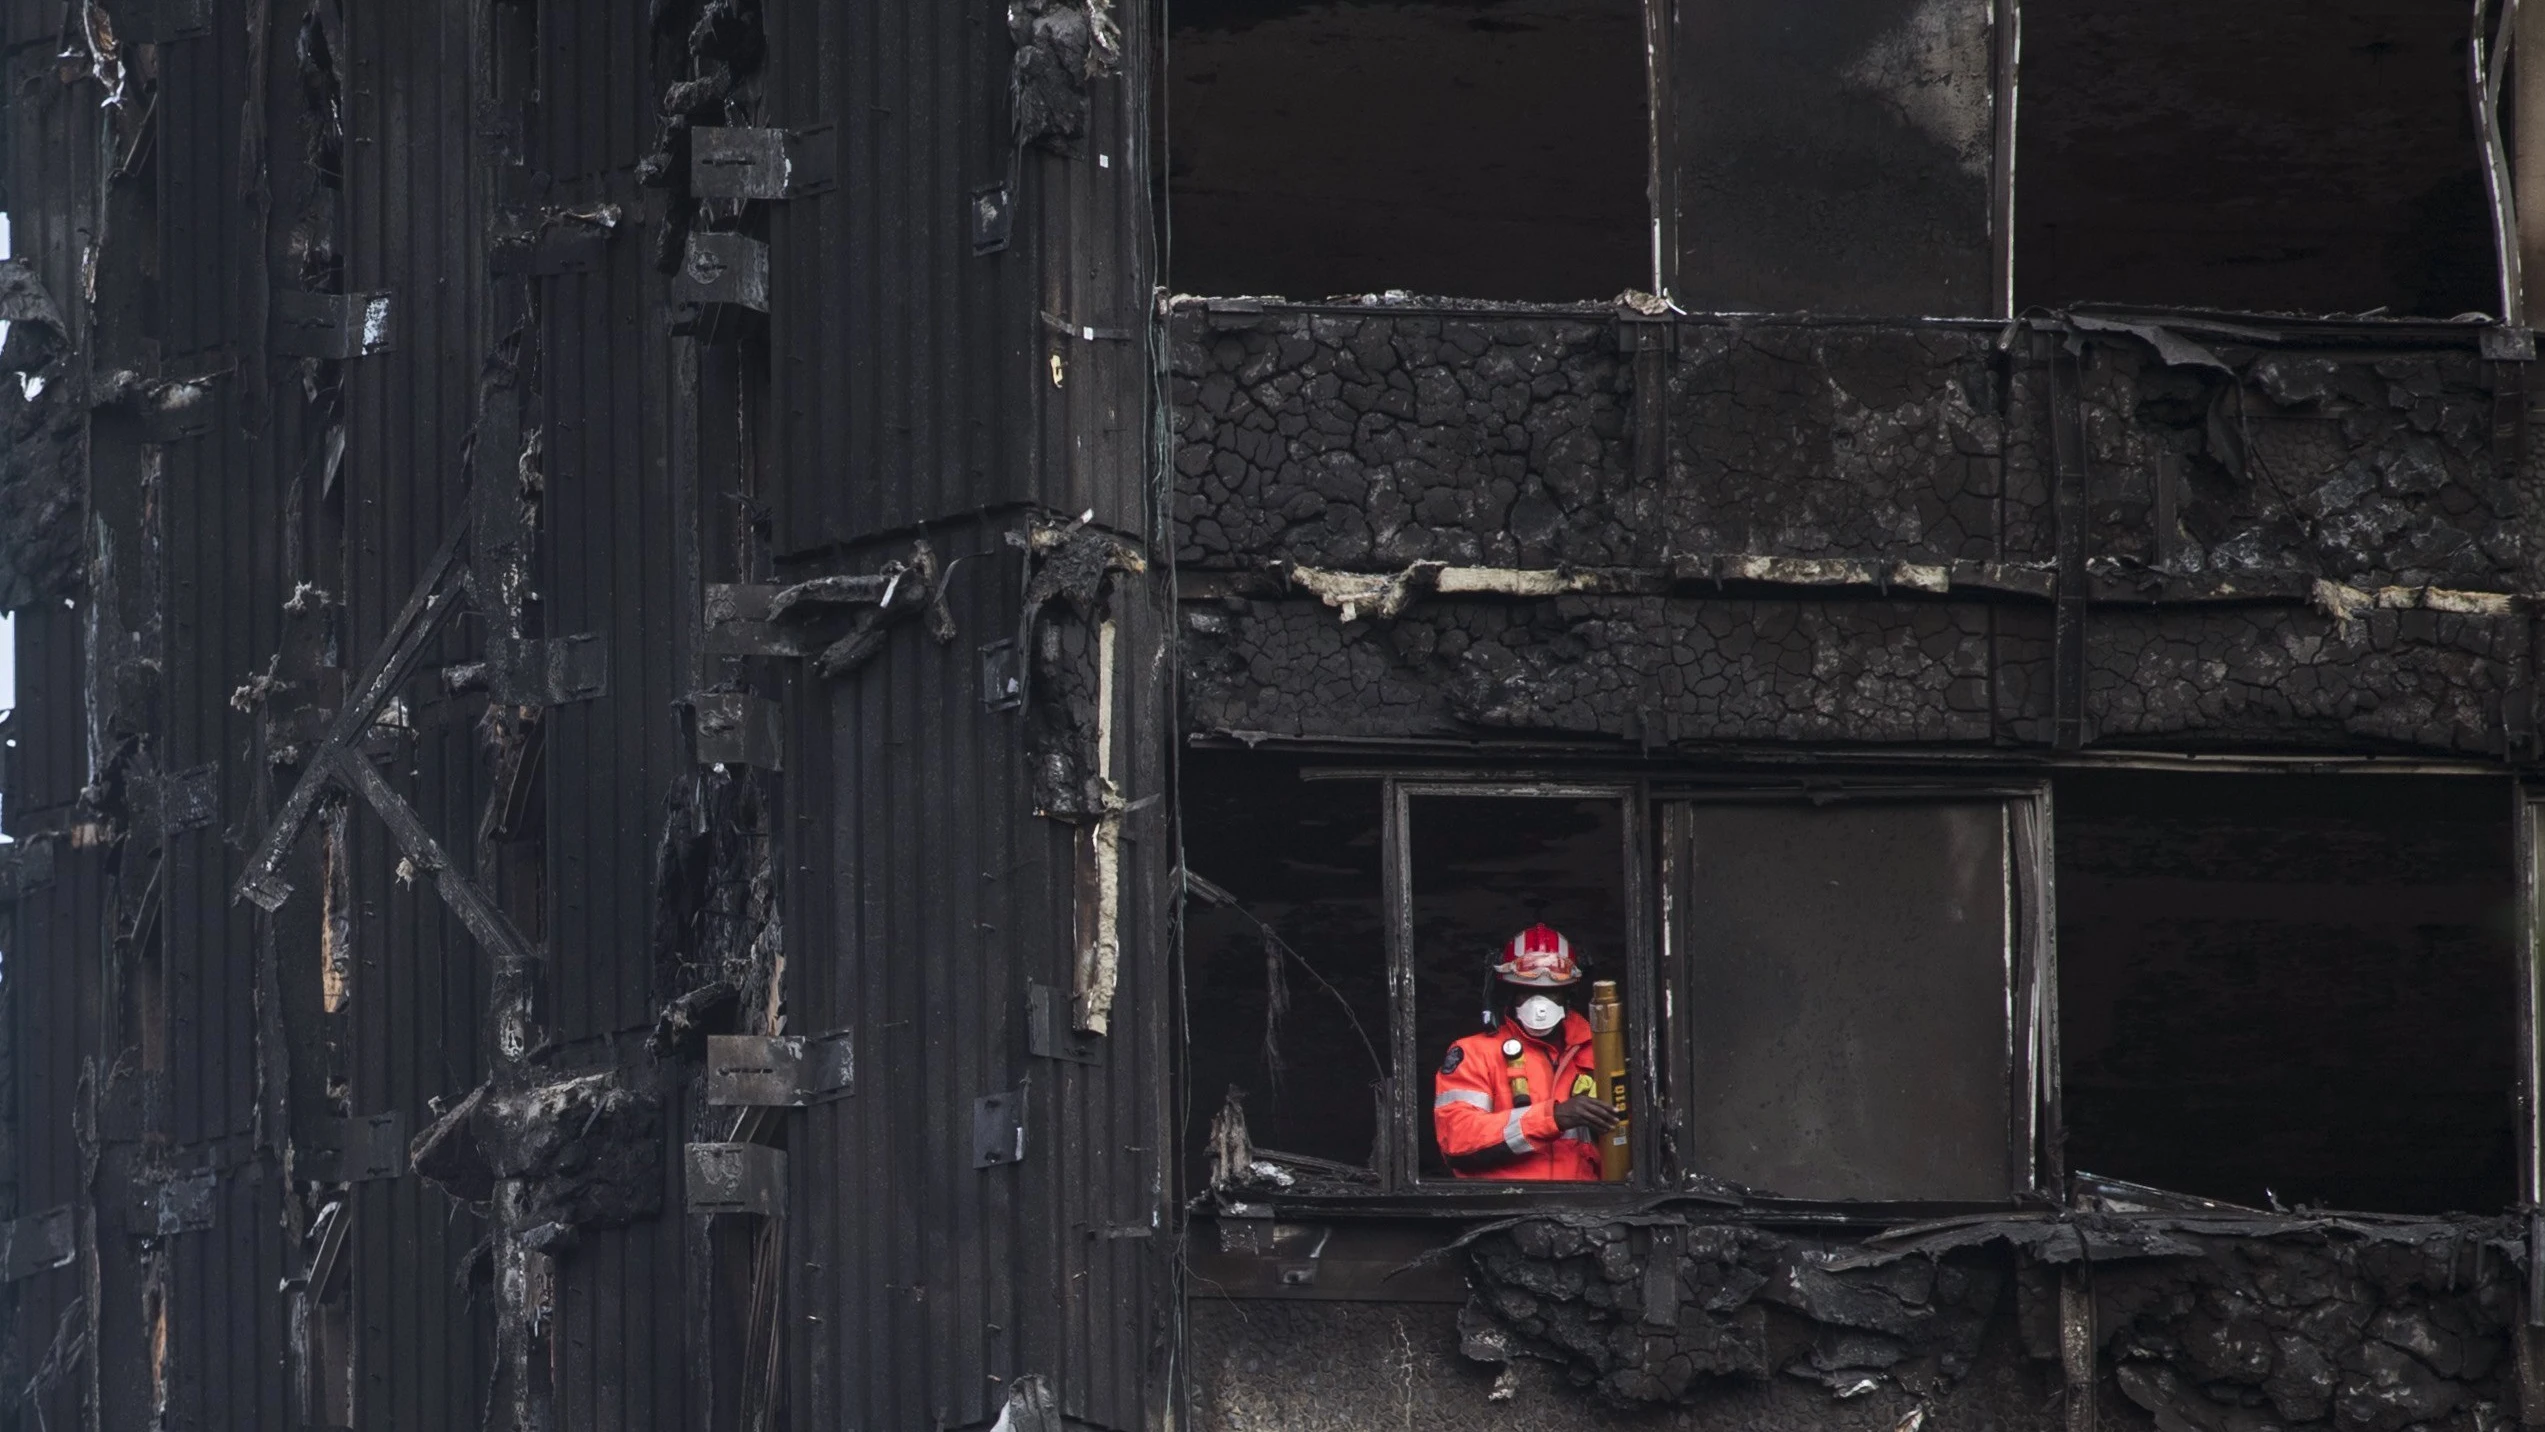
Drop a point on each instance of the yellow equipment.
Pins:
(1608, 1057)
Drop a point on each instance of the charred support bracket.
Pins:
(998, 1129)
(37, 1242)
(190, 799)
(722, 270)
(735, 1178)
(547, 671)
(736, 728)
(735, 162)
(25, 867)
(489, 924)
(180, 1203)
(993, 213)
(331, 325)
(781, 1072)
(737, 622)
(368, 1147)
(431, 604)
(1049, 1033)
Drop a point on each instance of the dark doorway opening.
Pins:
(2282, 155)
(1285, 981)
(2291, 988)
(1491, 149)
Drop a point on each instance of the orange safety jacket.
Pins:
(1495, 1113)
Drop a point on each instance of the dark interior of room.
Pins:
(1487, 149)
(2283, 155)
(1486, 868)
(1302, 859)
(2289, 987)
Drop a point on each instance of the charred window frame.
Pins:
(2025, 1043)
(1409, 1104)
(2528, 825)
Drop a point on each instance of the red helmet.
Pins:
(1540, 958)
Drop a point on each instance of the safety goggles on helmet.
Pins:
(1539, 958)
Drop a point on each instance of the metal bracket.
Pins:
(736, 728)
(784, 1072)
(25, 866)
(1049, 1033)
(181, 1203)
(993, 218)
(370, 1146)
(331, 325)
(39, 1241)
(736, 162)
(2508, 343)
(1002, 676)
(736, 1178)
(547, 671)
(729, 269)
(738, 622)
(998, 1129)
(190, 799)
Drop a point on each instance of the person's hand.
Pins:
(1584, 1112)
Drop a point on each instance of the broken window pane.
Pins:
(2291, 987)
(2273, 155)
(1484, 150)
(1482, 869)
(1849, 995)
(1287, 979)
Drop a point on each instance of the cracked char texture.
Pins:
(2361, 1328)
(2216, 493)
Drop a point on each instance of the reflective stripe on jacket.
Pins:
(1484, 1135)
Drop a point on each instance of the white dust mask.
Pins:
(1538, 1014)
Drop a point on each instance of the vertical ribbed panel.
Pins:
(925, 897)
(903, 362)
(611, 550)
(413, 228)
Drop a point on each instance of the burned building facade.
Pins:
(758, 716)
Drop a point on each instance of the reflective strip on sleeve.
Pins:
(1583, 1134)
(1512, 1138)
(1476, 1097)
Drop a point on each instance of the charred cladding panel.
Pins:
(1838, 158)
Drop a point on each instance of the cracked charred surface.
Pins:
(1737, 669)
(2220, 489)
(2221, 1324)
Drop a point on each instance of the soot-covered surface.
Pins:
(2284, 156)
(2291, 987)
(1483, 148)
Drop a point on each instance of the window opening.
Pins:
(2281, 155)
(1480, 148)
(1855, 994)
(1285, 948)
(2291, 990)
(1480, 869)
(1838, 157)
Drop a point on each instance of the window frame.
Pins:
(1403, 1172)
(2033, 1163)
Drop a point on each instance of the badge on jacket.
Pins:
(1457, 1056)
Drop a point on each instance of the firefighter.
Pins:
(1520, 1102)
